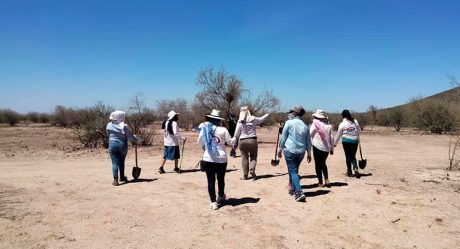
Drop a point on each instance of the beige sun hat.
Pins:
(171, 114)
(320, 114)
(245, 114)
(215, 114)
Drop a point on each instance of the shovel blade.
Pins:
(136, 172)
(275, 162)
(362, 163)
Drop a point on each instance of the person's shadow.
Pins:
(307, 176)
(138, 180)
(269, 176)
(182, 171)
(236, 202)
(316, 193)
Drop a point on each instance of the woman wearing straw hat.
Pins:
(294, 142)
(214, 161)
(349, 131)
(321, 139)
(171, 141)
(119, 133)
(246, 133)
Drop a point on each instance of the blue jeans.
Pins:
(293, 162)
(118, 150)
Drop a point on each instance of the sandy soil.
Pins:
(55, 195)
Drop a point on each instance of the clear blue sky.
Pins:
(321, 54)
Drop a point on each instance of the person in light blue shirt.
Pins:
(294, 142)
(119, 133)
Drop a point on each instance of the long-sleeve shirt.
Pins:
(171, 139)
(119, 132)
(295, 137)
(220, 137)
(320, 143)
(349, 132)
(248, 129)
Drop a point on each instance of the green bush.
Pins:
(9, 116)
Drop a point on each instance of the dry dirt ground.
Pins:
(55, 195)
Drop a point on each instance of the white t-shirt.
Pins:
(248, 129)
(220, 137)
(169, 139)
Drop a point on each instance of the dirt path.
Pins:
(53, 197)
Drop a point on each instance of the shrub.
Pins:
(9, 116)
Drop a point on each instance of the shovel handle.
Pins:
(135, 154)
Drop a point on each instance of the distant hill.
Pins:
(451, 96)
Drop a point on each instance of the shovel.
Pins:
(182, 156)
(363, 162)
(276, 161)
(136, 169)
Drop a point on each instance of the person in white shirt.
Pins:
(171, 141)
(349, 131)
(321, 139)
(246, 133)
(214, 162)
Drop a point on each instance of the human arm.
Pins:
(131, 137)
(283, 138)
(259, 120)
(308, 143)
(338, 135)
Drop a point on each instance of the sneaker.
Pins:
(123, 179)
(115, 182)
(214, 205)
(254, 176)
(245, 177)
(320, 185)
(220, 199)
(291, 192)
(349, 174)
(300, 197)
(357, 174)
(161, 170)
(177, 170)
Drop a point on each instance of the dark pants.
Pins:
(320, 164)
(350, 155)
(213, 170)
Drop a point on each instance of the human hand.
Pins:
(331, 152)
(280, 153)
(308, 159)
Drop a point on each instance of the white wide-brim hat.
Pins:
(171, 114)
(215, 114)
(319, 114)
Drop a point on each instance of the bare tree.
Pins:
(140, 116)
(226, 92)
(454, 141)
(179, 105)
(396, 117)
(373, 111)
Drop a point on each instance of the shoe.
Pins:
(327, 183)
(357, 174)
(214, 205)
(320, 185)
(161, 170)
(291, 192)
(245, 177)
(115, 182)
(220, 199)
(177, 170)
(300, 197)
(349, 174)
(254, 176)
(123, 179)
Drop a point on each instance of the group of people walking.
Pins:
(296, 140)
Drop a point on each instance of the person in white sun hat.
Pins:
(321, 138)
(246, 133)
(119, 133)
(171, 141)
(214, 162)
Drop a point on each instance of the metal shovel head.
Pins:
(136, 172)
(275, 162)
(362, 163)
